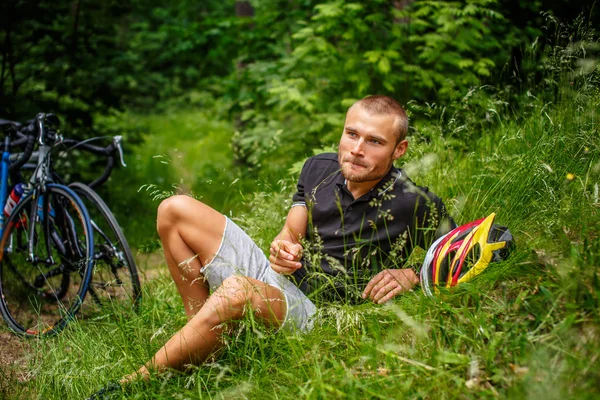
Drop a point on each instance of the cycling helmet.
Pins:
(464, 253)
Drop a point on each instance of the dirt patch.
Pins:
(13, 353)
(151, 265)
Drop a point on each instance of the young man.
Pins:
(358, 215)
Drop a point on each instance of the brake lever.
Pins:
(40, 124)
(117, 142)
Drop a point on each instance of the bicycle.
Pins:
(46, 242)
(115, 276)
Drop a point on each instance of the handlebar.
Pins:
(108, 152)
(25, 138)
(36, 129)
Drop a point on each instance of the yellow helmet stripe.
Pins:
(486, 249)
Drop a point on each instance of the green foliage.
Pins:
(184, 152)
(80, 59)
(286, 74)
(424, 51)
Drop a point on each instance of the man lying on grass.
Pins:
(355, 215)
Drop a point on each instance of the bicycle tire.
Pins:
(115, 278)
(33, 302)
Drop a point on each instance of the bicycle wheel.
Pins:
(115, 280)
(46, 260)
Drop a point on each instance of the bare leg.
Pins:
(191, 233)
(200, 336)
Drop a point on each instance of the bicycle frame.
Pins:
(46, 227)
(37, 183)
(5, 167)
(5, 163)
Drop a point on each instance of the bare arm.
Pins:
(295, 225)
(286, 250)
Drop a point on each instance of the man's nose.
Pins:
(357, 149)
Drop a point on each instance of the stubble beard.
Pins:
(367, 175)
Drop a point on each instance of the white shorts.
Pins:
(239, 255)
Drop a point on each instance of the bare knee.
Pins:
(236, 290)
(231, 299)
(239, 294)
(170, 211)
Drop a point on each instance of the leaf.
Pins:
(353, 7)
(445, 357)
(384, 65)
(465, 63)
(372, 56)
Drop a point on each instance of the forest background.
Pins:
(279, 74)
(223, 100)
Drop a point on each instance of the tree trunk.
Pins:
(401, 5)
(243, 9)
(75, 7)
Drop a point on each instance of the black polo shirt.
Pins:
(350, 240)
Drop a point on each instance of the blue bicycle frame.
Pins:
(4, 181)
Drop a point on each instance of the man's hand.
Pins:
(389, 283)
(285, 256)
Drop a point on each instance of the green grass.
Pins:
(529, 327)
(181, 152)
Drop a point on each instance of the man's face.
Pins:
(368, 146)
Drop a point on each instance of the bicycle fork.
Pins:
(40, 215)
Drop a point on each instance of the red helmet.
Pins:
(479, 243)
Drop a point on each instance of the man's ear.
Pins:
(400, 149)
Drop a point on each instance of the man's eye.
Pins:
(375, 141)
(351, 134)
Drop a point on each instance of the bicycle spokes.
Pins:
(42, 270)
